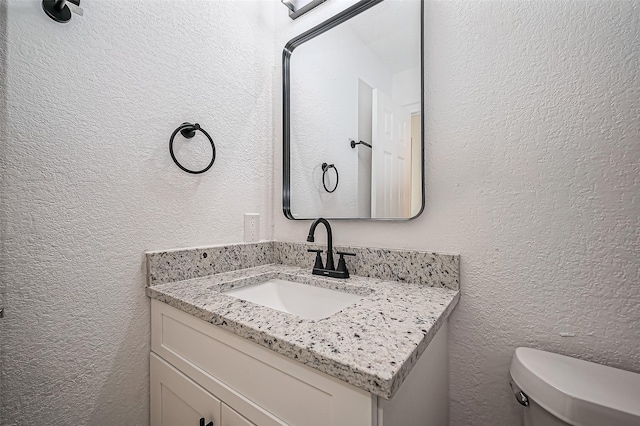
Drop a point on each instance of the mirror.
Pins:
(353, 96)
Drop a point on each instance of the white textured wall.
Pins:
(88, 185)
(406, 88)
(533, 146)
(533, 158)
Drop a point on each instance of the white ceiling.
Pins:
(391, 29)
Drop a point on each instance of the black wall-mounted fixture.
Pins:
(59, 10)
(325, 169)
(188, 130)
(354, 143)
(300, 7)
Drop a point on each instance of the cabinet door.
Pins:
(178, 401)
(232, 418)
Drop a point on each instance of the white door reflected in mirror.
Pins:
(390, 158)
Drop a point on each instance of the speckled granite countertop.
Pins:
(372, 345)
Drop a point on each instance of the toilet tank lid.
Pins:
(579, 392)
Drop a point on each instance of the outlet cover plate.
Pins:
(251, 227)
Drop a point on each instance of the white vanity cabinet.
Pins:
(200, 370)
(178, 400)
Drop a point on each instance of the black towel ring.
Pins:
(325, 169)
(188, 130)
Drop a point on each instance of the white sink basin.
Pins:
(303, 300)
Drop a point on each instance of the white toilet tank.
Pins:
(563, 391)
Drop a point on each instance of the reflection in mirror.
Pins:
(353, 99)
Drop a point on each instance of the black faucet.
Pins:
(329, 270)
(311, 239)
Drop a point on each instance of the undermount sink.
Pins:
(304, 300)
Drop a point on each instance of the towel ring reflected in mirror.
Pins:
(325, 169)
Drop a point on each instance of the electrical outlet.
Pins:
(251, 227)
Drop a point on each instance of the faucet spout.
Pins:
(330, 266)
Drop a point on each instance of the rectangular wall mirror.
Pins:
(353, 92)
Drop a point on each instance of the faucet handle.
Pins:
(342, 265)
(318, 264)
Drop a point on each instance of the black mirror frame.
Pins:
(343, 16)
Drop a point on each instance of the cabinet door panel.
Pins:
(232, 418)
(178, 401)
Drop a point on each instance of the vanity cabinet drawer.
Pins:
(178, 401)
(267, 388)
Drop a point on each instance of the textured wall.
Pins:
(533, 158)
(3, 136)
(88, 185)
(532, 164)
